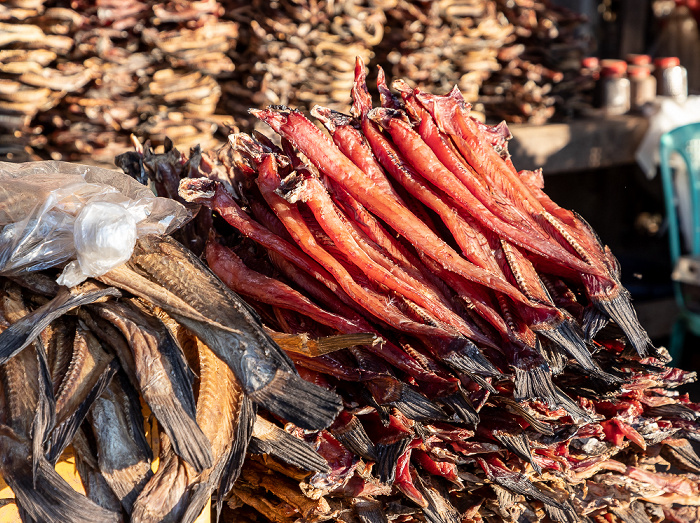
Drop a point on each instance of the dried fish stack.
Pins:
(539, 70)
(439, 44)
(35, 76)
(299, 52)
(510, 382)
(79, 78)
(84, 382)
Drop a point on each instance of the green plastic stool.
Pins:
(685, 141)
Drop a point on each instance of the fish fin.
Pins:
(551, 353)
(570, 406)
(63, 434)
(416, 406)
(462, 407)
(481, 382)
(369, 511)
(46, 497)
(294, 451)
(294, 399)
(518, 483)
(135, 415)
(568, 336)
(236, 457)
(673, 410)
(302, 344)
(188, 440)
(21, 333)
(620, 309)
(682, 456)
(594, 321)
(634, 513)
(387, 458)
(439, 509)
(535, 424)
(354, 438)
(535, 383)
(45, 416)
(519, 445)
(562, 516)
(466, 357)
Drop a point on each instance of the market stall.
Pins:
(368, 307)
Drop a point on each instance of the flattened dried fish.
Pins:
(198, 300)
(22, 333)
(123, 455)
(163, 377)
(89, 373)
(177, 492)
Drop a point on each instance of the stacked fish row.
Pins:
(510, 379)
(78, 366)
(299, 52)
(440, 44)
(33, 80)
(540, 72)
(79, 77)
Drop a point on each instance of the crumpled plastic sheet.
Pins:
(85, 219)
(666, 116)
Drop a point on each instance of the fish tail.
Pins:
(569, 337)
(44, 496)
(294, 399)
(594, 320)
(63, 434)
(620, 309)
(294, 451)
(461, 405)
(239, 447)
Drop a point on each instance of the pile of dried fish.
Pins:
(78, 366)
(539, 72)
(77, 77)
(510, 381)
(299, 52)
(437, 45)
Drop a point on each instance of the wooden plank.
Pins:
(578, 145)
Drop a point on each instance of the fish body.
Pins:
(228, 326)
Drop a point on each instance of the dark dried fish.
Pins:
(163, 376)
(198, 300)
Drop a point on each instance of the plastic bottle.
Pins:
(614, 87)
(638, 59)
(642, 86)
(671, 78)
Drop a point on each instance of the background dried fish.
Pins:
(77, 78)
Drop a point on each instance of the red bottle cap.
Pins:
(664, 62)
(638, 59)
(638, 71)
(590, 62)
(613, 67)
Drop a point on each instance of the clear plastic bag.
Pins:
(82, 217)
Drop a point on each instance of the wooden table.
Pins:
(579, 145)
